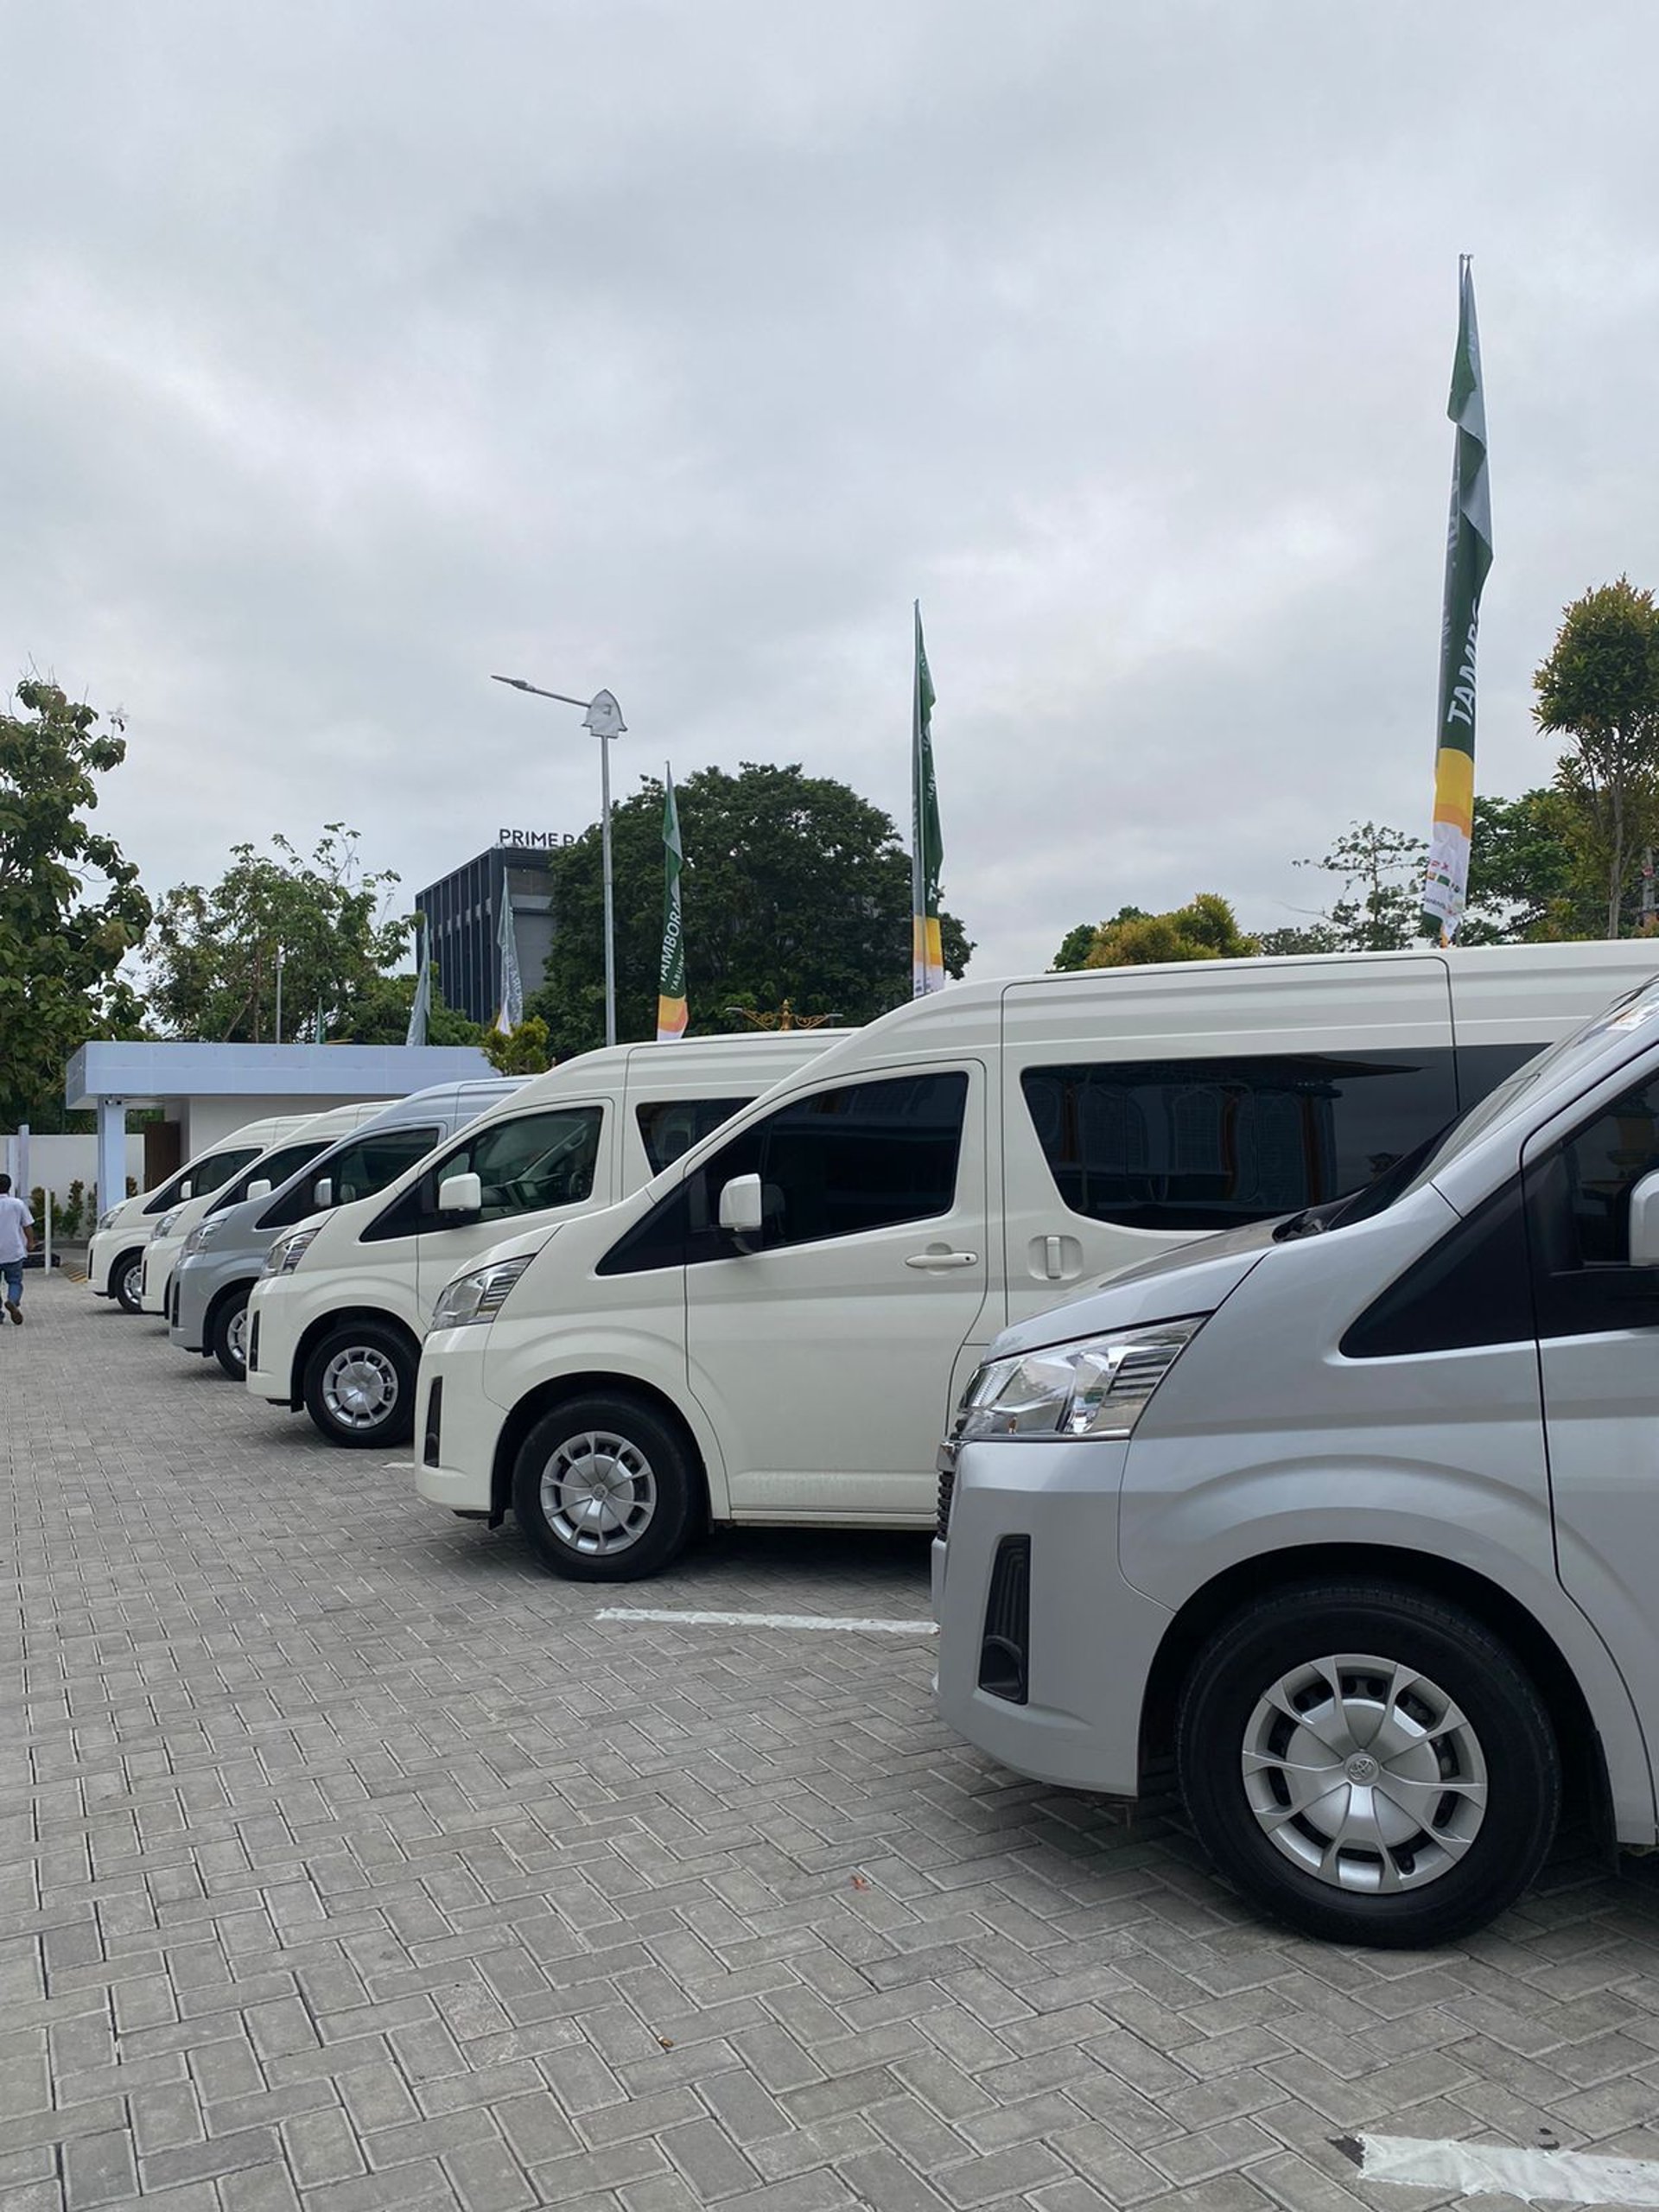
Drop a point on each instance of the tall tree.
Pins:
(71, 908)
(795, 888)
(212, 957)
(1600, 688)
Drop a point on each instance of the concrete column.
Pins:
(111, 1153)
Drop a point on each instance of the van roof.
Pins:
(966, 1016)
(692, 1056)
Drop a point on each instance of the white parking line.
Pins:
(1494, 2170)
(766, 1620)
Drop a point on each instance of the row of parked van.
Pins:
(747, 1281)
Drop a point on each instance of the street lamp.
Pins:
(604, 717)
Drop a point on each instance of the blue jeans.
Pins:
(11, 1274)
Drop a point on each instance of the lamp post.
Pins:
(604, 717)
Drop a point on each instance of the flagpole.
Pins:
(610, 908)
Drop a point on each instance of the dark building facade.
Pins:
(461, 913)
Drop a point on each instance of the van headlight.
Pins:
(285, 1254)
(1098, 1386)
(107, 1220)
(203, 1233)
(164, 1226)
(480, 1296)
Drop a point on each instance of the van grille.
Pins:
(947, 1492)
(1004, 1648)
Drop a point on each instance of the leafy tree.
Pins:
(71, 908)
(1381, 871)
(1600, 688)
(213, 958)
(523, 1051)
(380, 1011)
(1528, 876)
(795, 888)
(1077, 944)
(1315, 937)
(1205, 928)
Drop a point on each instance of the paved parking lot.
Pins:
(347, 1860)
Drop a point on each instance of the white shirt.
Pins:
(14, 1220)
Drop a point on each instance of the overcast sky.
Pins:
(351, 350)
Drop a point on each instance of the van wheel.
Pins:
(126, 1277)
(604, 1489)
(1369, 1763)
(359, 1386)
(230, 1335)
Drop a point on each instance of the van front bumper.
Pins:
(455, 1441)
(101, 1254)
(161, 1257)
(1045, 1651)
(275, 1326)
(197, 1282)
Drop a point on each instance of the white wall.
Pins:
(56, 1162)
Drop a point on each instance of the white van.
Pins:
(115, 1256)
(777, 1331)
(1354, 1512)
(274, 1165)
(336, 1321)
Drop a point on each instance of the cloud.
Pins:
(349, 355)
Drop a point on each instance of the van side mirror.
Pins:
(322, 1191)
(187, 1190)
(260, 1190)
(460, 1194)
(742, 1210)
(1645, 1223)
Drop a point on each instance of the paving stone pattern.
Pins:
(347, 1861)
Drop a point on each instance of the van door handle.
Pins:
(936, 1259)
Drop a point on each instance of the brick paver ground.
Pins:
(347, 1861)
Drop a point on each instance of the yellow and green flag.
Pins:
(1468, 557)
(670, 982)
(927, 846)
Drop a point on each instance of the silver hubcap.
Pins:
(1365, 1774)
(236, 1337)
(131, 1283)
(598, 1495)
(359, 1386)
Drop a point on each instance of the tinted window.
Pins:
(274, 1168)
(671, 1127)
(1208, 1144)
(1471, 1289)
(1578, 1218)
(831, 1163)
(356, 1170)
(219, 1168)
(525, 1166)
(1481, 1068)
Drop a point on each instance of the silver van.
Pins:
(1355, 1512)
(207, 1297)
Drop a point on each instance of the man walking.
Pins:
(16, 1241)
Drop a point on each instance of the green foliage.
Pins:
(795, 888)
(523, 1051)
(71, 908)
(1077, 944)
(1206, 929)
(213, 954)
(378, 1014)
(1600, 688)
(1381, 871)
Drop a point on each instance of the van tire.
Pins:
(1477, 1774)
(124, 1279)
(569, 1461)
(228, 1339)
(359, 1386)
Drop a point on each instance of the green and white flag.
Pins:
(1468, 557)
(926, 845)
(513, 990)
(671, 980)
